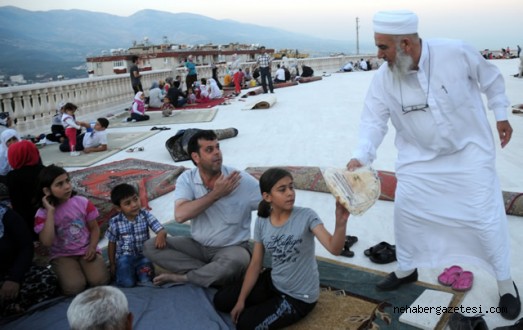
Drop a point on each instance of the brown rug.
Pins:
(338, 309)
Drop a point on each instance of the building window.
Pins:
(118, 64)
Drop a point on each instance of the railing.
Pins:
(33, 106)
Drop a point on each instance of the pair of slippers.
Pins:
(381, 253)
(349, 242)
(160, 128)
(457, 278)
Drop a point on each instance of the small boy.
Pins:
(94, 140)
(127, 232)
(167, 107)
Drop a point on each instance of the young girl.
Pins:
(67, 224)
(138, 108)
(72, 126)
(281, 296)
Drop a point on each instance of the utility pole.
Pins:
(357, 36)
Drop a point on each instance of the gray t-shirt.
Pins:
(226, 222)
(291, 246)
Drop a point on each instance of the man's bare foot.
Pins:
(169, 278)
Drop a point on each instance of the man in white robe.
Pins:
(448, 205)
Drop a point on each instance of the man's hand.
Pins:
(224, 185)
(504, 131)
(353, 164)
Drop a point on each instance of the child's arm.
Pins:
(334, 243)
(101, 147)
(159, 242)
(47, 234)
(111, 254)
(94, 230)
(251, 276)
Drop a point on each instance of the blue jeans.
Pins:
(130, 269)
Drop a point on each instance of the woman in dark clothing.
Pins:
(25, 160)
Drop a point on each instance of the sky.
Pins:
(492, 24)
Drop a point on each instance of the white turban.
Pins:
(395, 22)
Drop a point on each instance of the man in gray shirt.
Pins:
(219, 201)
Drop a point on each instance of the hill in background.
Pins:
(42, 44)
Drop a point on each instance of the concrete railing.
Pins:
(33, 106)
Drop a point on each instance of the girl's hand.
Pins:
(46, 202)
(236, 311)
(90, 255)
(342, 214)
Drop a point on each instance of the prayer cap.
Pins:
(395, 22)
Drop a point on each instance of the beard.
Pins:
(402, 65)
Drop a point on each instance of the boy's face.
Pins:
(130, 206)
(98, 127)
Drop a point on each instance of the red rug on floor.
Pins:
(150, 179)
(204, 105)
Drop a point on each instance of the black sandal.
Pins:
(384, 256)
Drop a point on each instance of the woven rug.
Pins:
(349, 299)
(51, 154)
(311, 178)
(151, 180)
(203, 105)
(156, 118)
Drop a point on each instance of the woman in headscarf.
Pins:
(155, 96)
(8, 137)
(214, 91)
(138, 108)
(25, 160)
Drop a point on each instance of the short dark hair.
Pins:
(103, 122)
(134, 58)
(121, 191)
(194, 146)
(70, 106)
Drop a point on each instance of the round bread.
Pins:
(356, 190)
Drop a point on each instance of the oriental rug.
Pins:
(311, 178)
(156, 118)
(51, 154)
(202, 105)
(349, 299)
(150, 179)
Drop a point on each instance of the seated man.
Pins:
(348, 67)
(94, 140)
(219, 201)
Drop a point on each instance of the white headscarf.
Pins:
(4, 137)
(214, 91)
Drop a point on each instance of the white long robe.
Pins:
(448, 207)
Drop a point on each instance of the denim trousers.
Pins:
(133, 269)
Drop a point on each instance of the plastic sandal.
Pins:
(350, 241)
(384, 256)
(376, 248)
(463, 282)
(449, 275)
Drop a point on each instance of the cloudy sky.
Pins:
(489, 24)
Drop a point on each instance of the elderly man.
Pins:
(448, 207)
(101, 307)
(219, 201)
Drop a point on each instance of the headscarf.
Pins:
(214, 91)
(6, 135)
(154, 85)
(23, 153)
(138, 105)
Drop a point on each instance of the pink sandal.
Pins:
(450, 275)
(464, 281)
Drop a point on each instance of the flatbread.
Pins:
(356, 190)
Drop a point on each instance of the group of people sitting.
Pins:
(218, 200)
(168, 95)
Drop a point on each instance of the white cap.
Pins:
(395, 22)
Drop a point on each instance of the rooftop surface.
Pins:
(316, 124)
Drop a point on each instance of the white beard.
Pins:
(402, 65)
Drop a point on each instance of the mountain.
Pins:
(48, 43)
